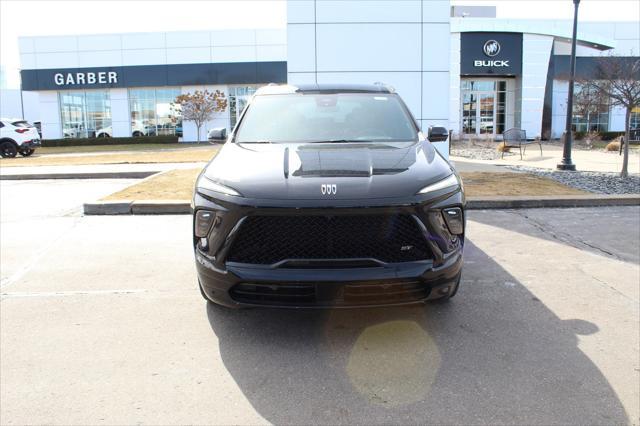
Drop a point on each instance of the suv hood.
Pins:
(298, 171)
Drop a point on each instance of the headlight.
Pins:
(446, 183)
(206, 183)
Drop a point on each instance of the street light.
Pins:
(566, 163)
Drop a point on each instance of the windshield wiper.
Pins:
(264, 141)
(340, 141)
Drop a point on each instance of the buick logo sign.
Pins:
(328, 189)
(491, 48)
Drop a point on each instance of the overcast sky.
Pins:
(31, 18)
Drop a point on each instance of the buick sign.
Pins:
(491, 48)
(484, 53)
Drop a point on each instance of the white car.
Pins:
(17, 136)
(137, 129)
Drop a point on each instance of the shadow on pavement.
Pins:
(495, 354)
(606, 231)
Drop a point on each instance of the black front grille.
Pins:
(274, 294)
(330, 294)
(271, 239)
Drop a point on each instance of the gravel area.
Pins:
(475, 152)
(597, 182)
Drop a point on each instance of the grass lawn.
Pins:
(178, 185)
(176, 155)
(171, 185)
(490, 184)
(112, 148)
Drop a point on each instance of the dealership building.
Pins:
(456, 66)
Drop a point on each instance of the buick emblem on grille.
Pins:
(328, 189)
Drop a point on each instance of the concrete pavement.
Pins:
(594, 161)
(101, 323)
(92, 170)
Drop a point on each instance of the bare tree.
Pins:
(618, 78)
(199, 106)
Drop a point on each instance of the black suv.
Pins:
(328, 196)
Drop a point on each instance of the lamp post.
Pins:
(567, 163)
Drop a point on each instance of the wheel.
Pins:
(137, 134)
(104, 135)
(448, 297)
(27, 152)
(8, 149)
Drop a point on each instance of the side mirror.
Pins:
(438, 134)
(219, 134)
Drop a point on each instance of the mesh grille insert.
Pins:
(271, 239)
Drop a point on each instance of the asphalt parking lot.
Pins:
(101, 322)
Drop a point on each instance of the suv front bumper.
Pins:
(250, 285)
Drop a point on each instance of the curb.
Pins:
(103, 175)
(473, 203)
(137, 207)
(549, 201)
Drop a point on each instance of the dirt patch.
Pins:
(179, 184)
(171, 185)
(185, 155)
(490, 184)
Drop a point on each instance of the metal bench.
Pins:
(517, 138)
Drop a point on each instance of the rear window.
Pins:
(21, 124)
(353, 117)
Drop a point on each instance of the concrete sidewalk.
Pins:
(92, 171)
(592, 161)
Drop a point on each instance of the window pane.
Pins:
(98, 116)
(85, 113)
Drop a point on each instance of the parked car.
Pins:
(328, 196)
(17, 136)
(137, 129)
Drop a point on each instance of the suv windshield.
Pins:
(345, 117)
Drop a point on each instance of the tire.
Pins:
(448, 297)
(27, 152)
(137, 134)
(104, 135)
(8, 149)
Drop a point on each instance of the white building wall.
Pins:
(455, 105)
(401, 43)
(616, 119)
(189, 47)
(50, 115)
(120, 117)
(559, 108)
(536, 51)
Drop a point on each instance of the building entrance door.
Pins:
(483, 107)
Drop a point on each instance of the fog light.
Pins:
(204, 220)
(204, 244)
(444, 290)
(454, 219)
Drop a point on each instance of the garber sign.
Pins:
(491, 54)
(85, 78)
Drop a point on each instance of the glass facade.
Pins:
(484, 104)
(153, 112)
(634, 119)
(590, 111)
(238, 98)
(85, 114)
